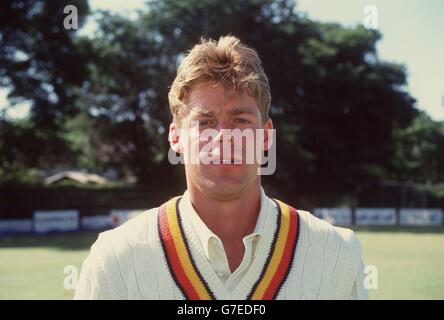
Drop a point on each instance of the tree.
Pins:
(127, 95)
(39, 63)
(342, 115)
(419, 155)
(335, 104)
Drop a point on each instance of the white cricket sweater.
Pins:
(129, 263)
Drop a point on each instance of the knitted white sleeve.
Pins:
(359, 291)
(97, 278)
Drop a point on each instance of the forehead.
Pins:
(215, 97)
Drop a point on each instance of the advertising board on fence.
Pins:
(420, 217)
(119, 216)
(98, 222)
(375, 216)
(56, 220)
(336, 216)
(11, 226)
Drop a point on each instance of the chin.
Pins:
(223, 183)
(228, 183)
(227, 187)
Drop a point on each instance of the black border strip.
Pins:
(273, 249)
(293, 250)
(193, 263)
(162, 211)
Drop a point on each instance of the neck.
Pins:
(229, 220)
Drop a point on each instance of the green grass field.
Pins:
(410, 263)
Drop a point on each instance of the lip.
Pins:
(227, 162)
(215, 160)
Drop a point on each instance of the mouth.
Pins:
(218, 159)
(227, 162)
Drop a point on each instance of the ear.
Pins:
(174, 138)
(268, 134)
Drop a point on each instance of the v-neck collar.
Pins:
(268, 221)
(204, 234)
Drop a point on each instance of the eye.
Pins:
(242, 120)
(205, 122)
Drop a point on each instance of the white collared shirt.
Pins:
(213, 247)
(129, 262)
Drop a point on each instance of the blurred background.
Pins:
(358, 104)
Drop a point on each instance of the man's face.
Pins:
(221, 166)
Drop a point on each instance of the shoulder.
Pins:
(321, 233)
(337, 251)
(336, 247)
(112, 258)
(120, 241)
(328, 259)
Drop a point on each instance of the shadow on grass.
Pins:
(394, 229)
(68, 241)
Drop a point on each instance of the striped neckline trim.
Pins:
(188, 277)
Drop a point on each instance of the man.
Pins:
(223, 238)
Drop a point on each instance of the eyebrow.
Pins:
(241, 110)
(204, 113)
(234, 112)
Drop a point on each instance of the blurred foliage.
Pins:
(419, 151)
(39, 64)
(342, 115)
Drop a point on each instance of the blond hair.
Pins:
(228, 62)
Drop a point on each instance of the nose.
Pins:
(224, 129)
(223, 134)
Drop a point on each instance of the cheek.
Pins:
(189, 143)
(252, 145)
